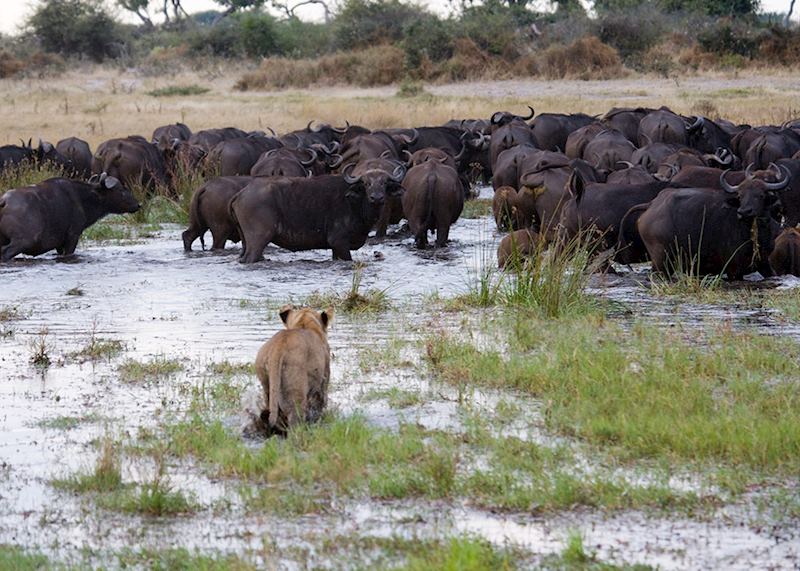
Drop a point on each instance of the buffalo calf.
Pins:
(209, 210)
(517, 246)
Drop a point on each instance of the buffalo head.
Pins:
(756, 196)
(114, 197)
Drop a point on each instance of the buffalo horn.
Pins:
(312, 158)
(529, 116)
(698, 124)
(348, 178)
(725, 185)
(399, 173)
(780, 184)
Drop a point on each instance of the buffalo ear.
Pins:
(326, 317)
(285, 311)
(394, 190)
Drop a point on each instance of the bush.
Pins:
(728, 36)
(428, 38)
(632, 31)
(362, 23)
(258, 35)
(587, 58)
(77, 27)
(780, 45)
(9, 65)
(492, 26)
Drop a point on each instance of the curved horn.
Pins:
(336, 162)
(399, 173)
(698, 124)
(529, 116)
(494, 119)
(724, 184)
(748, 172)
(461, 154)
(627, 164)
(414, 136)
(410, 156)
(443, 159)
(271, 153)
(312, 158)
(780, 184)
(103, 176)
(340, 130)
(308, 127)
(333, 147)
(385, 154)
(271, 130)
(348, 178)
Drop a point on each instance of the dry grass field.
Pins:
(99, 103)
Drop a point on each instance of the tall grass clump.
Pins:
(552, 281)
(354, 300)
(106, 476)
(684, 278)
(27, 173)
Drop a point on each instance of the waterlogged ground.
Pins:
(200, 315)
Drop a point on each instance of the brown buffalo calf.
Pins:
(209, 210)
(785, 256)
(433, 200)
(294, 368)
(516, 247)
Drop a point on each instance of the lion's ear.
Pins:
(285, 311)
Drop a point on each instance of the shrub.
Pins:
(9, 65)
(362, 23)
(428, 38)
(780, 45)
(491, 26)
(258, 35)
(587, 58)
(728, 36)
(76, 27)
(633, 30)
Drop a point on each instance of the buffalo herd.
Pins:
(644, 184)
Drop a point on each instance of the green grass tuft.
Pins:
(132, 371)
(179, 90)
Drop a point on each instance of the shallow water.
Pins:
(205, 307)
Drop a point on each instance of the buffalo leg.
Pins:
(442, 235)
(8, 252)
(254, 251)
(69, 245)
(383, 221)
(189, 236)
(219, 241)
(342, 254)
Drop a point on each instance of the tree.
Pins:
(788, 17)
(232, 6)
(142, 9)
(76, 27)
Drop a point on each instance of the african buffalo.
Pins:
(500, 118)
(607, 149)
(551, 130)
(785, 256)
(708, 231)
(507, 215)
(209, 211)
(53, 214)
(382, 176)
(626, 120)
(14, 155)
(664, 126)
(651, 156)
(234, 157)
(210, 138)
(517, 246)
(77, 151)
(579, 138)
(509, 136)
(509, 166)
(328, 211)
(631, 174)
(169, 132)
(770, 147)
(132, 160)
(433, 200)
(287, 162)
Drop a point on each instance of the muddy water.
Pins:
(205, 308)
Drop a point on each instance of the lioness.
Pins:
(294, 368)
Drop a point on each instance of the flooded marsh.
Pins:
(645, 428)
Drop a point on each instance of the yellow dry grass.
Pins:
(98, 103)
